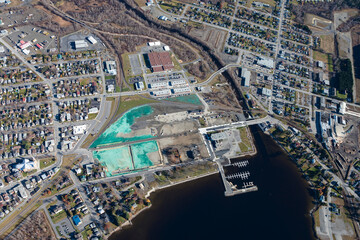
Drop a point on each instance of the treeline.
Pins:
(344, 78)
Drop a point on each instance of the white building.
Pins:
(245, 74)
(110, 67)
(167, 48)
(178, 82)
(93, 110)
(181, 90)
(91, 39)
(342, 108)
(266, 92)
(266, 62)
(79, 129)
(158, 85)
(164, 92)
(80, 44)
(139, 86)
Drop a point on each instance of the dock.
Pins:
(230, 189)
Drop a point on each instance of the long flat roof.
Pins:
(160, 61)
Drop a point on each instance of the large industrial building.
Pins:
(160, 61)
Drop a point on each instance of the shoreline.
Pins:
(154, 189)
(316, 206)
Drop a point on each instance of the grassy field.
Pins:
(325, 58)
(128, 102)
(245, 145)
(126, 65)
(341, 96)
(92, 116)
(177, 66)
(141, 3)
(45, 162)
(58, 217)
(270, 2)
(327, 43)
(319, 56)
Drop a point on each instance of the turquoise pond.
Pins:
(123, 125)
(192, 99)
(119, 159)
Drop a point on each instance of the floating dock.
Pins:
(232, 190)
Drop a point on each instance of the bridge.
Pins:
(235, 125)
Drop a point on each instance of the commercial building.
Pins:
(139, 86)
(181, 90)
(266, 62)
(77, 220)
(160, 61)
(91, 39)
(245, 75)
(178, 82)
(158, 85)
(266, 92)
(110, 67)
(80, 44)
(24, 45)
(164, 92)
(80, 129)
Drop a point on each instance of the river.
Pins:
(199, 210)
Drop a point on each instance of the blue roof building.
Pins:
(76, 220)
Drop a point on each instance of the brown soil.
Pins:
(213, 37)
(34, 227)
(62, 22)
(327, 43)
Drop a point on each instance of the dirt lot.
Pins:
(184, 144)
(62, 22)
(344, 43)
(34, 227)
(222, 97)
(213, 37)
(327, 43)
(316, 21)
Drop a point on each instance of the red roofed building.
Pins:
(160, 61)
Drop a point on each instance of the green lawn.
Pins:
(46, 162)
(92, 116)
(58, 217)
(128, 102)
(341, 96)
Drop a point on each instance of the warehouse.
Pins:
(80, 44)
(160, 61)
(91, 39)
(158, 85)
(178, 82)
(181, 90)
(164, 92)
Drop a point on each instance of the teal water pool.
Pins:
(140, 153)
(123, 125)
(192, 99)
(114, 159)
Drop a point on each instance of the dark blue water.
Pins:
(199, 209)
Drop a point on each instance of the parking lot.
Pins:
(66, 227)
(159, 77)
(135, 64)
(40, 41)
(67, 42)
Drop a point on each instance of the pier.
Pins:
(232, 190)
